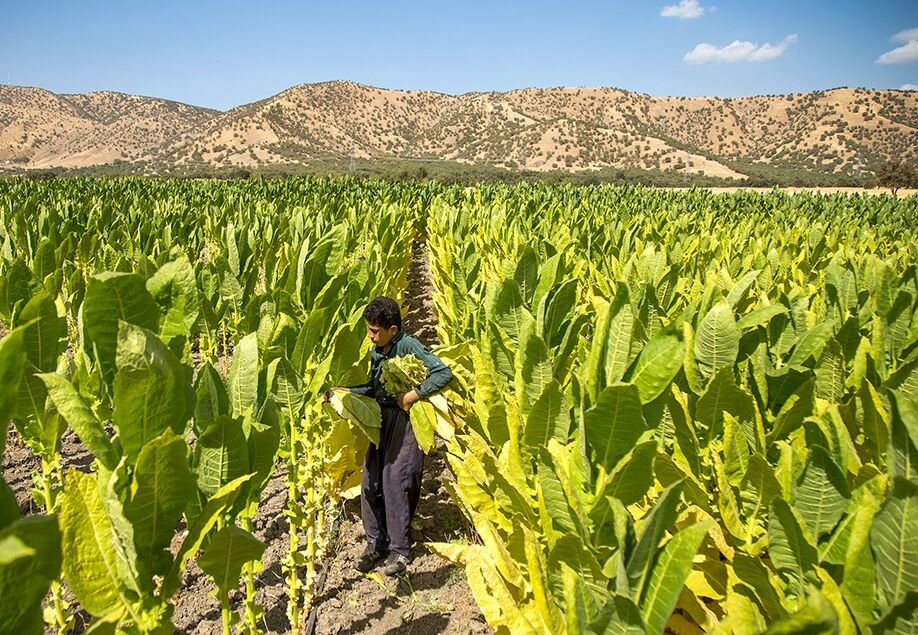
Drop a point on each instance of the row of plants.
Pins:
(184, 332)
(688, 413)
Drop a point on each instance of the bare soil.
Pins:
(433, 597)
(197, 611)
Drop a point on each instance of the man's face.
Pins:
(381, 336)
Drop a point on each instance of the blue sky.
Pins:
(224, 54)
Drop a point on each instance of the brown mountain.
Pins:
(41, 129)
(841, 130)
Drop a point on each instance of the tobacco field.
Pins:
(672, 412)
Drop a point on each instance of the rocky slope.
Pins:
(844, 130)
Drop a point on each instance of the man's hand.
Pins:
(405, 399)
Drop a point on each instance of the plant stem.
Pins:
(293, 582)
(57, 599)
(225, 610)
(251, 615)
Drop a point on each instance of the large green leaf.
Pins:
(619, 616)
(347, 351)
(286, 388)
(263, 440)
(550, 273)
(668, 575)
(39, 425)
(736, 450)
(658, 364)
(533, 369)
(221, 454)
(859, 584)
(30, 558)
(150, 391)
(614, 424)
(162, 488)
(9, 506)
(362, 412)
(43, 331)
(79, 416)
(661, 517)
(903, 437)
(557, 309)
(314, 328)
(132, 572)
(894, 540)
(90, 563)
(753, 573)
(812, 342)
(507, 308)
(212, 399)
(761, 316)
(757, 489)
(633, 475)
(226, 554)
(573, 552)
(175, 290)
(527, 273)
(243, 378)
(112, 298)
(793, 411)
(423, 420)
(821, 493)
(717, 340)
(548, 419)
(722, 395)
(790, 551)
(831, 373)
(16, 287)
(817, 617)
(552, 496)
(12, 358)
(901, 620)
(610, 352)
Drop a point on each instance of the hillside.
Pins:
(841, 130)
(41, 129)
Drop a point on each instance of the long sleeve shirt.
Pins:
(438, 373)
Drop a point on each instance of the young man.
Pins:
(392, 470)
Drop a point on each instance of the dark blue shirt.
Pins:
(438, 373)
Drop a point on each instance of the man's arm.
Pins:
(364, 390)
(438, 373)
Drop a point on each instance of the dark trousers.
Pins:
(391, 483)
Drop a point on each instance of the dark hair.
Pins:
(383, 312)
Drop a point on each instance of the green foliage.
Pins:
(142, 283)
(671, 410)
(740, 453)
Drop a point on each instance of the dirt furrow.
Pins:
(434, 596)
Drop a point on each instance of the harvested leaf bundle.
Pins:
(433, 414)
(402, 374)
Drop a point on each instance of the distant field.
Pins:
(902, 193)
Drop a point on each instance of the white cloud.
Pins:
(738, 51)
(686, 9)
(908, 87)
(908, 52)
(906, 35)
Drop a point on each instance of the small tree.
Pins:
(895, 174)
